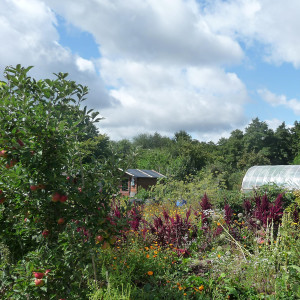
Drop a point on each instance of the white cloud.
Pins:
(85, 65)
(153, 98)
(272, 23)
(275, 123)
(159, 31)
(161, 59)
(28, 36)
(277, 100)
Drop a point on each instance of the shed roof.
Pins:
(282, 175)
(143, 173)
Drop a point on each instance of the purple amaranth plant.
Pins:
(134, 218)
(267, 212)
(228, 214)
(172, 230)
(206, 206)
(247, 207)
(265, 204)
(218, 231)
(183, 252)
(295, 215)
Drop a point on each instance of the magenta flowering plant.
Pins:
(176, 230)
(267, 212)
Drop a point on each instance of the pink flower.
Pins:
(260, 241)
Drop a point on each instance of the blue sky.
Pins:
(207, 67)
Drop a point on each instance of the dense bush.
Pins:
(52, 206)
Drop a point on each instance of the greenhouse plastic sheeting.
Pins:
(284, 176)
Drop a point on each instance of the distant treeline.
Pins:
(182, 156)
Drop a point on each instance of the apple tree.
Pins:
(53, 205)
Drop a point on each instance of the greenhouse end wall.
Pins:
(284, 176)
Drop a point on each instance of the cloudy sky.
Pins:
(204, 66)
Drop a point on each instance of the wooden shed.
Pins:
(134, 179)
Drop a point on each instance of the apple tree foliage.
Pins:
(52, 203)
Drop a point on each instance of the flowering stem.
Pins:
(235, 241)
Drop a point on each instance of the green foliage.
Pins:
(191, 189)
(44, 135)
(149, 141)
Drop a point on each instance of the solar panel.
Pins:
(144, 173)
(137, 173)
(153, 173)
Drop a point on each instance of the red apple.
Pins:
(47, 271)
(39, 282)
(45, 233)
(99, 238)
(33, 187)
(38, 275)
(56, 197)
(63, 198)
(60, 221)
(3, 153)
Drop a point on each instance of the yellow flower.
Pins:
(219, 255)
(150, 273)
(201, 287)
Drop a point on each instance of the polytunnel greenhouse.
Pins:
(287, 177)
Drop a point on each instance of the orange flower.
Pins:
(147, 255)
(150, 273)
(201, 287)
(219, 224)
